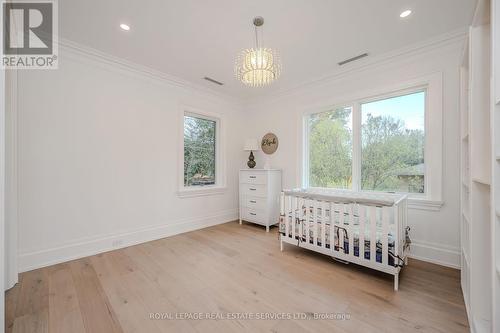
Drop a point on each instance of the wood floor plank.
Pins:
(188, 289)
(131, 312)
(33, 294)
(32, 322)
(97, 313)
(11, 300)
(64, 308)
(31, 314)
(232, 268)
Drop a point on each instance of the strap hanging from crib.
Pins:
(346, 236)
(280, 229)
(407, 239)
(394, 256)
(299, 237)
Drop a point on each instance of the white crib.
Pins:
(343, 224)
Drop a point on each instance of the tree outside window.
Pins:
(199, 151)
(330, 149)
(393, 144)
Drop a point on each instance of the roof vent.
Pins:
(353, 59)
(213, 81)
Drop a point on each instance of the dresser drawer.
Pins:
(254, 190)
(254, 202)
(259, 196)
(254, 215)
(253, 177)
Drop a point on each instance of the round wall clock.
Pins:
(269, 143)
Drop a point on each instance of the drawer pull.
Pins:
(253, 214)
(253, 201)
(253, 189)
(253, 177)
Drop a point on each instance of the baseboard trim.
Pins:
(84, 248)
(435, 253)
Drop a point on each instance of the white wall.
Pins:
(435, 234)
(11, 276)
(3, 252)
(97, 159)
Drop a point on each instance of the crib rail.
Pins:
(363, 228)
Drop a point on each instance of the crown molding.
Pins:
(438, 42)
(435, 43)
(108, 59)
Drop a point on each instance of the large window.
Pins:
(199, 150)
(372, 145)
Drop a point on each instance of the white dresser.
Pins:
(259, 196)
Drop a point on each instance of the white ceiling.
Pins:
(191, 39)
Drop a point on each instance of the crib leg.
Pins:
(396, 282)
(240, 221)
(281, 244)
(267, 228)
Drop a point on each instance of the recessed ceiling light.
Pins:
(406, 13)
(125, 27)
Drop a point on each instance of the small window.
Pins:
(392, 139)
(330, 149)
(200, 154)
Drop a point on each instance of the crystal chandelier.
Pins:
(259, 66)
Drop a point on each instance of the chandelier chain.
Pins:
(257, 44)
(256, 38)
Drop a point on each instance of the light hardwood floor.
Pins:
(230, 268)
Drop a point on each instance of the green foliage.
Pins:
(389, 150)
(391, 154)
(199, 151)
(330, 144)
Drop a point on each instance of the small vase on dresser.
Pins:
(259, 196)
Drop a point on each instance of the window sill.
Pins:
(425, 204)
(201, 191)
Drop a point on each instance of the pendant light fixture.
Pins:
(259, 66)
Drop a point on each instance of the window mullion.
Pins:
(356, 147)
(305, 153)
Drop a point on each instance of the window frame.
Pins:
(220, 175)
(432, 85)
